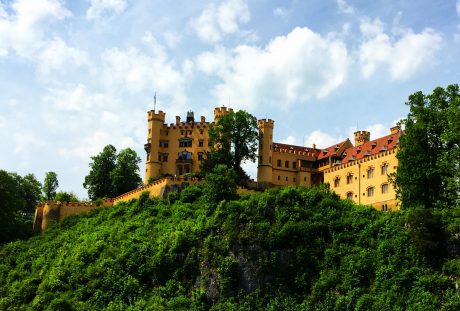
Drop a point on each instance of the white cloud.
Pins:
(56, 54)
(218, 20)
(136, 72)
(292, 68)
(290, 140)
(344, 7)
(321, 139)
(23, 30)
(458, 8)
(403, 54)
(105, 8)
(281, 12)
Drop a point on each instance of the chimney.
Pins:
(177, 120)
(362, 137)
(314, 146)
(203, 119)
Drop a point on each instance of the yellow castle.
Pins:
(357, 172)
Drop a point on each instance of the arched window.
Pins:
(337, 181)
(350, 195)
(349, 178)
(370, 191)
(384, 168)
(370, 173)
(384, 188)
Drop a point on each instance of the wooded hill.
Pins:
(283, 249)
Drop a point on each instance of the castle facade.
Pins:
(358, 172)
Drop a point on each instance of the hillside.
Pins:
(284, 249)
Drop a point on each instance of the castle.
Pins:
(357, 172)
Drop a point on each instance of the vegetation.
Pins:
(63, 196)
(233, 140)
(290, 248)
(18, 198)
(112, 174)
(428, 172)
(50, 185)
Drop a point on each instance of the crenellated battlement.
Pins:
(220, 112)
(266, 123)
(160, 116)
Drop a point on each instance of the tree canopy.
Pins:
(428, 172)
(111, 174)
(233, 140)
(18, 198)
(50, 185)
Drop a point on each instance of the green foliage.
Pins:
(220, 184)
(290, 248)
(428, 172)
(64, 196)
(125, 175)
(112, 174)
(18, 198)
(233, 141)
(50, 185)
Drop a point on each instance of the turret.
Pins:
(155, 122)
(362, 137)
(264, 168)
(220, 112)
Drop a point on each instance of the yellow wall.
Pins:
(361, 183)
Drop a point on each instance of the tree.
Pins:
(428, 172)
(64, 196)
(112, 174)
(220, 184)
(233, 140)
(125, 175)
(18, 197)
(50, 185)
(98, 181)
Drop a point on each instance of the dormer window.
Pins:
(384, 148)
(374, 144)
(367, 153)
(352, 158)
(358, 150)
(324, 151)
(390, 139)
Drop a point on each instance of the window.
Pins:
(336, 182)
(350, 195)
(286, 164)
(150, 131)
(201, 132)
(261, 159)
(384, 168)
(293, 179)
(165, 157)
(385, 188)
(349, 178)
(370, 173)
(294, 165)
(200, 143)
(184, 155)
(185, 142)
(164, 144)
(200, 156)
(286, 179)
(279, 177)
(182, 132)
(384, 207)
(278, 163)
(270, 159)
(305, 179)
(370, 191)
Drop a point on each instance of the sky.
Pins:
(78, 75)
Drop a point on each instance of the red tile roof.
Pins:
(370, 148)
(330, 151)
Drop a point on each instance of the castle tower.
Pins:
(220, 112)
(362, 137)
(155, 123)
(265, 169)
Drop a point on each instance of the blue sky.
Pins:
(78, 75)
